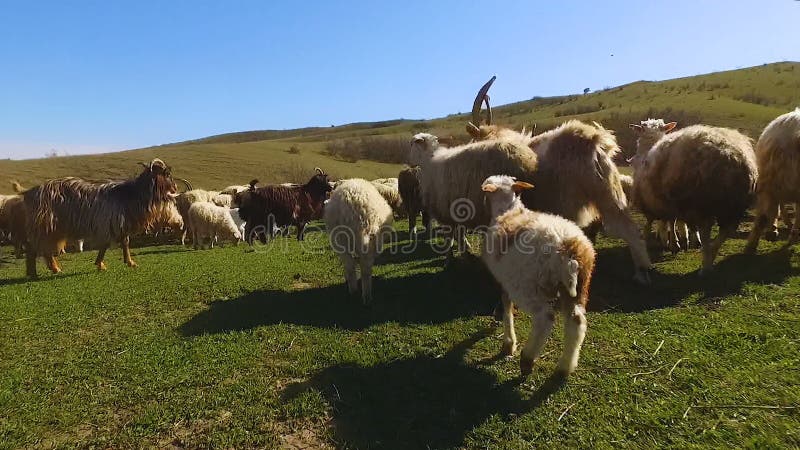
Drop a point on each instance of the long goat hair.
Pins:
(105, 212)
(280, 205)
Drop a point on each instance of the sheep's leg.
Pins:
(461, 239)
(619, 224)
(767, 210)
(793, 233)
(52, 264)
(211, 240)
(682, 232)
(183, 235)
(101, 255)
(672, 236)
(301, 231)
(509, 334)
(787, 221)
(80, 245)
(712, 248)
(543, 320)
(126, 251)
(366, 262)
(350, 276)
(574, 332)
(426, 221)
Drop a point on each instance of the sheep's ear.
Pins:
(670, 126)
(520, 186)
(473, 130)
(635, 127)
(489, 187)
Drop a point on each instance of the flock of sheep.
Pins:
(532, 196)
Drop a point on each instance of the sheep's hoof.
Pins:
(642, 277)
(132, 264)
(525, 366)
(508, 348)
(101, 267)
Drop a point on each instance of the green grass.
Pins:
(746, 99)
(233, 349)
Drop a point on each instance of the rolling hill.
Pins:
(746, 99)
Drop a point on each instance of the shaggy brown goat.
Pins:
(269, 206)
(105, 212)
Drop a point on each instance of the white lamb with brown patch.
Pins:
(701, 175)
(358, 220)
(778, 158)
(207, 220)
(544, 264)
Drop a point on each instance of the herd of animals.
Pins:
(536, 197)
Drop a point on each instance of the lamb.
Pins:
(778, 159)
(673, 178)
(185, 200)
(208, 220)
(269, 206)
(544, 263)
(388, 188)
(106, 212)
(408, 185)
(358, 220)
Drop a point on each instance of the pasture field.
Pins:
(746, 99)
(226, 348)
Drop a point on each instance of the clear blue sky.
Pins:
(89, 76)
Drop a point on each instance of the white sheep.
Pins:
(222, 200)
(185, 200)
(544, 264)
(207, 220)
(233, 189)
(700, 175)
(450, 178)
(358, 220)
(388, 188)
(778, 159)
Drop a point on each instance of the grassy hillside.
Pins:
(746, 99)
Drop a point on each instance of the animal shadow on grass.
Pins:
(612, 288)
(420, 402)
(418, 298)
(23, 279)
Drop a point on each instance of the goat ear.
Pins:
(670, 126)
(635, 127)
(520, 186)
(473, 130)
(489, 187)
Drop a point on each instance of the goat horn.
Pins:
(319, 171)
(480, 98)
(186, 182)
(488, 110)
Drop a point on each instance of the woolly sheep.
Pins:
(233, 189)
(451, 178)
(185, 200)
(576, 178)
(700, 175)
(357, 218)
(207, 220)
(778, 159)
(222, 200)
(388, 188)
(544, 263)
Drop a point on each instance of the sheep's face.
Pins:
(569, 275)
(500, 192)
(648, 132)
(422, 147)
